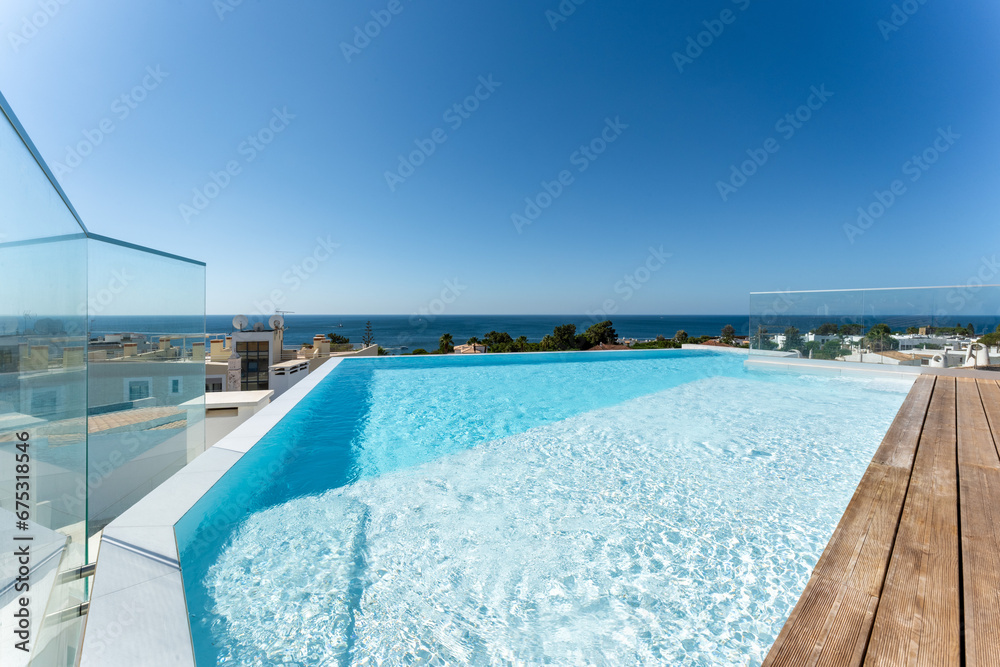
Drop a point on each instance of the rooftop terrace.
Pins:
(912, 573)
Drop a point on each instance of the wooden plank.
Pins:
(979, 496)
(990, 393)
(827, 627)
(918, 618)
(900, 442)
(831, 622)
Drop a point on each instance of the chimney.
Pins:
(129, 349)
(164, 342)
(39, 359)
(322, 345)
(198, 351)
(72, 357)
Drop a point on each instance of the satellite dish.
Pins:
(258, 326)
(277, 322)
(240, 322)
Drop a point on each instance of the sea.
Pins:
(405, 333)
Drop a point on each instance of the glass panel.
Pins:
(942, 327)
(146, 381)
(43, 393)
(32, 208)
(102, 377)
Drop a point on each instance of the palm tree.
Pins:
(446, 344)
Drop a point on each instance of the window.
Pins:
(176, 385)
(138, 390)
(8, 363)
(43, 402)
(255, 358)
(213, 384)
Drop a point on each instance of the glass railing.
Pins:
(102, 381)
(939, 327)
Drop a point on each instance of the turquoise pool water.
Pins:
(662, 507)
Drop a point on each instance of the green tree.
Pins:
(498, 341)
(830, 349)
(728, 334)
(970, 329)
(602, 332)
(337, 339)
(420, 350)
(382, 352)
(368, 338)
(472, 341)
(521, 344)
(879, 338)
(565, 337)
(826, 329)
(446, 344)
(850, 330)
(681, 336)
(912, 330)
(548, 343)
(990, 339)
(793, 339)
(761, 341)
(881, 329)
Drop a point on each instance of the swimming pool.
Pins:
(660, 507)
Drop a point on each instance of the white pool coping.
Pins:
(138, 611)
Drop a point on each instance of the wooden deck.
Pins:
(911, 575)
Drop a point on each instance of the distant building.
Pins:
(264, 362)
(819, 338)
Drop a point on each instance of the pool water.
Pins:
(619, 509)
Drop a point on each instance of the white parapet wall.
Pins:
(225, 410)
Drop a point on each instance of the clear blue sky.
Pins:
(324, 174)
